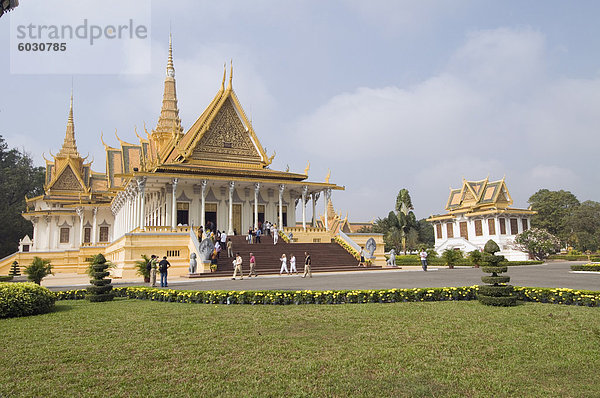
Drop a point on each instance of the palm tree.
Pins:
(38, 270)
(406, 218)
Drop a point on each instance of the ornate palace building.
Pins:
(477, 212)
(156, 190)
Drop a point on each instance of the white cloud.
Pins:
(494, 110)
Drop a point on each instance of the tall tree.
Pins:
(583, 226)
(406, 218)
(18, 178)
(553, 210)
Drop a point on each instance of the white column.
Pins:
(48, 230)
(203, 204)
(256, 191)
(174, 205)
(313, 198)
(80, 214)
(304, 192)
(327, 199)
(57, 234)
(280, 222)
(142, 197)
(231, 189)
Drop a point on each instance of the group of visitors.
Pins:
(268, 229)
(237, 266)
(162, 266)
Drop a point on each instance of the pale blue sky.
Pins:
(387, 94)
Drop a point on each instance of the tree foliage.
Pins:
(451, 257)
(538, 243)
(18, 178)
(401, 230)
(561, 214)
(553, 209)
(38, 270)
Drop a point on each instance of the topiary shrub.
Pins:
(475, 257)
(14, 269)
(497, 292)
(21, 299)
(101, 289)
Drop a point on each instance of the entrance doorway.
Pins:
(210, 216)
(284, 216)
(237, 219)
(183, 213)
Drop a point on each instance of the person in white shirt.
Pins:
(283, 265)
(423, 256)
(223, 240)
(275, 234)
(238, 267)
(293, 264)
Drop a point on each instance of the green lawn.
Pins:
(144, 348)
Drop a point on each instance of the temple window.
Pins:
(64, 235)
(514, 226)
(103, 234)
(87, 233)
(492, 226)
(450, 230)
(438, 230)
(478, 228)
(463, 230)
(502, 226)
(525, 224)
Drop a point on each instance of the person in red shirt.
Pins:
(252, 265)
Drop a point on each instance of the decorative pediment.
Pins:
(227, 138)
(67, 180)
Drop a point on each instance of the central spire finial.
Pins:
(170, 67)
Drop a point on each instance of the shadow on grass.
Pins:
(60, 306)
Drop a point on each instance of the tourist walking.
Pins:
(284, 267)
(275, 234)
(162, 267)
(258, 234)
(250, 235)
(252, 265)
(229, 248)
(218, 248)
(238, 267)
(361, 261)
(152, 266)
(423, 256)
(307, 265)
(224, 241)
(293, 264)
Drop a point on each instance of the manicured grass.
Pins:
(145, 348)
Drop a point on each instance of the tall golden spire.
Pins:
(169, 122)
(69, 147)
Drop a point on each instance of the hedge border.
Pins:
(586, 267)
(276, 297)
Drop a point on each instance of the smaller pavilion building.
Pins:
(477, 212)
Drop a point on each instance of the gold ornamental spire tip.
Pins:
(170, 66)
(231, 75)
(224, 75)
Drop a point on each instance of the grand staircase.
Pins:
(326, 257)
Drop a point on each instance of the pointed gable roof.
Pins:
(476, 194)
(222, 133)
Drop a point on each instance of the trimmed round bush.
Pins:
(100, 282)
(495, 279)
(491, 290)
(497, 270)
(100, 289)
(21, 299)
(507, 301)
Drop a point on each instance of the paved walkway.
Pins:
(553, 274)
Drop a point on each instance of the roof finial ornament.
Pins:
(224, 75)
(170, 67)
(307, 168)
(231, 75)
(328, 175)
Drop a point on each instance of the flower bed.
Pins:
(586, 267)
(275, 297)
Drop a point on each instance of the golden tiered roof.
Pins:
(478, 198)
(221, 143)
